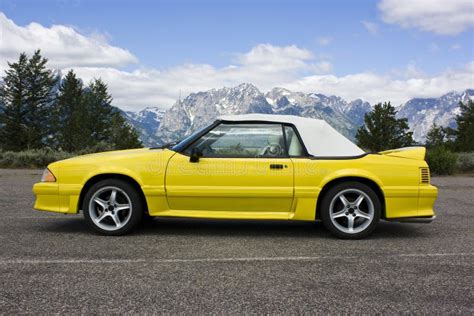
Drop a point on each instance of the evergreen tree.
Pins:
(97, 113)
(465, 127)
(382, 130)
(33, 113)
(105, 125)
(124, 136)
(66, 115)
(13, 96)
(27, 93)
(40, 97)
(436, 137)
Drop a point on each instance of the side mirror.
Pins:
(195, 155)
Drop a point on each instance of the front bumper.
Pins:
(47, 197)
(52, 197)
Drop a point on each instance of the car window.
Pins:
(295, 149)
(242, 140)
(184, 142)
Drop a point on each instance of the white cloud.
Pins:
(264, 65)
(377, 88)
(63, 45)
(446, 17)
(324, 40)
(371, 27)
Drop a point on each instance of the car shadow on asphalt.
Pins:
(236, 228)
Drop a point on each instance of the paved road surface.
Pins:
(54, 263)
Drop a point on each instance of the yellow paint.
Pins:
(240, 188)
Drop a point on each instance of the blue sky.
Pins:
(325, 43)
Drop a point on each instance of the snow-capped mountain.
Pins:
(199, 109)
(343, 116)
(423, 112)
(147, 122)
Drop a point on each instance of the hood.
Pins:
(107, 157)
(416, 153)
(111, 154)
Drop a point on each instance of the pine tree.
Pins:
(40, 97)
(465, 127)
(382, 130)
(27, 93)
(97, 112)
(66, 114)
(436, 137)
(104, 124)
(13, 95)
(123, 135)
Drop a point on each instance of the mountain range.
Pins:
(158, 126)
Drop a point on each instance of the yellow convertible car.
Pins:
(254, 166)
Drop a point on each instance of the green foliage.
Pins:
(33, 158)
(465, 127)
(67, 113)
(436, 137)
(123, 135)
(441, 161)
(40, 158)
(27, 92)
(72, 118)
(465, 163)
(382, 130)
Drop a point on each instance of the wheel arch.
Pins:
(99, 177)
(369, 182)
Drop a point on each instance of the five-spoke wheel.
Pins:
(350, 210)
(112, 207)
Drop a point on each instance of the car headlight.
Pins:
(48, 176)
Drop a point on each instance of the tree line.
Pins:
(382, 130)
(39, 109)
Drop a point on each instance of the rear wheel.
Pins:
(112, 207)
(350, 210)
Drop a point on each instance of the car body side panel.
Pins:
(398, 179)
(146, 167)
(233, 185)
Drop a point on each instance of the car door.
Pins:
(241, 167)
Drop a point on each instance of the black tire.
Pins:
(336, 226)
(127, 193)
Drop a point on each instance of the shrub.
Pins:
(465, 162)
(441, 161)
(40, 158)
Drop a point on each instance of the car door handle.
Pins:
(277, 166)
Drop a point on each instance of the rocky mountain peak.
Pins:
(201, 108)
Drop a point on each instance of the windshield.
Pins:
(184, 142)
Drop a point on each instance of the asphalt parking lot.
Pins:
(54, 264)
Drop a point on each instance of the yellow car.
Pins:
(254, 166)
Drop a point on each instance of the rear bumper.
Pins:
(418, 220)
(426, 200)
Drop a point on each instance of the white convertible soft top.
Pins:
(319, 138)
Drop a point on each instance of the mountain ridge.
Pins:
(158, 126)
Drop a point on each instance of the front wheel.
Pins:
(112, 207)
(350, 210)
